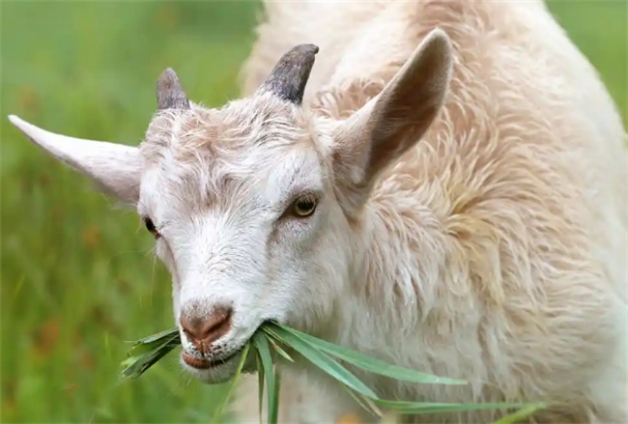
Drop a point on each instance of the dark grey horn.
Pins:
(170, 94)
(289, 77)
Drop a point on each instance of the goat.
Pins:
(444, 190)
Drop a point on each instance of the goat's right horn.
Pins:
(170, 94)
(289, 77)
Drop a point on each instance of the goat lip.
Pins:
(203, 364)
(195, 362)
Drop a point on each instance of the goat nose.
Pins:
(203, 331)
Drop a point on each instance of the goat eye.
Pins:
(304, 206)
(150, 226)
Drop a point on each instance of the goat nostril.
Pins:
(189, 326)
(217, 325)
(206, 330)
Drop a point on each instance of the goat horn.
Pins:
(170, 94)
(289, 77)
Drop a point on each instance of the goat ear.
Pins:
(395, 120)
(114, 167)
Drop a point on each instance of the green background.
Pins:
(78, 274)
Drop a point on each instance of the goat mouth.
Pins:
(201, 364)
(204, 364)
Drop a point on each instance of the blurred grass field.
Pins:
(78, 274)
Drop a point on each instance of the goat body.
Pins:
(495, 250)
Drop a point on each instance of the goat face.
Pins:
(244, 214)
(255, 206)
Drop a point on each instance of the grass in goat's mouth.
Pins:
(274, 340)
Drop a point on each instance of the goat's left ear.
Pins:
(115, 168)
(395, 120)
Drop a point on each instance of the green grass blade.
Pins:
(321, 360)
(158, 337)
(236, 378)
(279, 350)
(432, 407)
(366, 403)
(137, 364)
(261, 344)
(521, 414)
(147, 351)
(275, 417)
(260, 383)
(373, 365)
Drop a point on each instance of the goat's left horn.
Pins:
(170, 94)
(289, 77)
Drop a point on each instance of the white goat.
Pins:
(457, 207)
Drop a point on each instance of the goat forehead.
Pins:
(269, 173)
(209, 157)
(259, 178)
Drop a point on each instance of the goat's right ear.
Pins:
(394, 121)
(115, 168)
